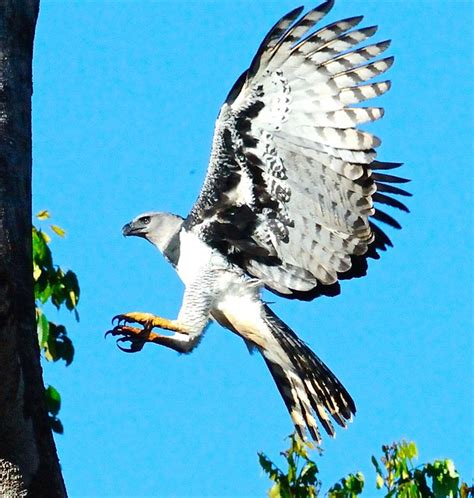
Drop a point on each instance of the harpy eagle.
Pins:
(288, 204)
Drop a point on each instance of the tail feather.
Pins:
(305, 383)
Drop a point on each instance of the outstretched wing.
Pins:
(290, 189)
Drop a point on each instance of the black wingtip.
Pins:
(389, 201)
(389, 61)
(294, 13)
(369, 31)
(390, 189)
(325, 6)
(381, 177)
(386, 218)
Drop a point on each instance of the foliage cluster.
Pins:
(300, 480)
(396, 475)
(60, 288)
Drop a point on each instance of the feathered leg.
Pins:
(192, 319)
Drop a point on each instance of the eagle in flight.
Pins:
(289, 203)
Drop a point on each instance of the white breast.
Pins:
(194, 254)
(236, 295)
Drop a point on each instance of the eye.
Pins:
(145, 220)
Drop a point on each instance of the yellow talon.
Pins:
(149, 321)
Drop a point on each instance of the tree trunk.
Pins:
(28, 461)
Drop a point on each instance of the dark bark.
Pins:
(28, 461)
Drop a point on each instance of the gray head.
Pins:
(157, 228)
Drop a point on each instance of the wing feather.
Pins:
(320, 38)
(290, 189)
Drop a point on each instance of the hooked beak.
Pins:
(131, 229)
(127, 230)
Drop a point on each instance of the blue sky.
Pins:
(125, 98)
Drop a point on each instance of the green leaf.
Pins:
(406, 450)
(285, 491)
(419, 478)
(45, 237)
(348, 487)
(42, 328)
(412, 450)
(50, 350)
(274, 491)
(402, 470)
(451, 469)
(58, 230)
(41, 252)
(66, 350)
(53, 400)
(376, 464)
(71, 285)
(43, 215)
(59, 346)
(291, 469)
(44, 294)
(379, 481)
(445, 478)
(274, 473)
(36, 271)
(308, 473)
(354, 483)
(265, 463)
(56, 425)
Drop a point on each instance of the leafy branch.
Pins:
(300, 480)
(401, 478)
(60, 288)
(396, 475)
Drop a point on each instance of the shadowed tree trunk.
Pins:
(28, 461)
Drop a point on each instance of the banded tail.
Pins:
(306, 384)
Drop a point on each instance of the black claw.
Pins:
(135, 346)
(125, 350)
(136, 342)
(116, 330)
(119, 320)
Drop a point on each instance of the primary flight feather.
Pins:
(288, 203)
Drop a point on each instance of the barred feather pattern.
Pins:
(290, 201)
(309, 389)
(291, 192)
